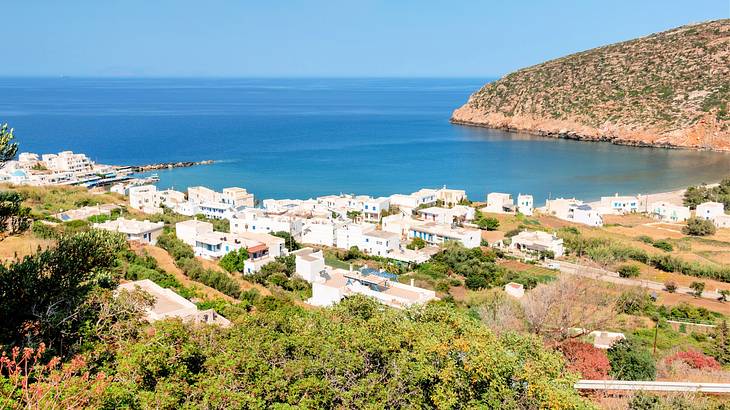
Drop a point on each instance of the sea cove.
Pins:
(300, 138)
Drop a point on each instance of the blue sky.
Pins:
(411, 38)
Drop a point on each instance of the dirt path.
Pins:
(168, 265)
(245, 285)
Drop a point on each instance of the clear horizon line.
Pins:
(233, 77)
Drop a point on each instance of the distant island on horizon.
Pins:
(669, 89)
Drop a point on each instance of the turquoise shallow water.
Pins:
(299, 138)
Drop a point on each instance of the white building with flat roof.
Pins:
(584, 214)
(373, 208)
(722, 221)
(210, 244)
(67, 161)
(709, 210)
(498, 202)
(259, 221)
(330, 286)
(144, 198)
(665, 211)
(455, 214)
(348, 235)
(538, 241)
(134, 230)
(438, 234)
(320, 231)
(450, 197)
(169, 304)
(309, 263)
(525, 204)
(380, 243)
(621, 204)
(560, 207)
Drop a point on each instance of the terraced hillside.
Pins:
(670, 89)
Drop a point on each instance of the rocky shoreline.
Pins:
(170, 165)
(573, 130)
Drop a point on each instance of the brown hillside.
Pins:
(669, 89)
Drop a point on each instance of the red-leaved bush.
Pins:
(694, 359)
(29, 383)
(591, 362)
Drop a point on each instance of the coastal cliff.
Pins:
(670, 89)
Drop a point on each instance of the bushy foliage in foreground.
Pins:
(356, 355)
(45, 292)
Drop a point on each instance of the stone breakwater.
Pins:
(170, 165)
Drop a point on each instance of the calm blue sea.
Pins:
(298, 138)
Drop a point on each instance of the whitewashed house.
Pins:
(450, 197)
(140, 231)
(722, 221)
(144, 198)
(438, 234)
(372, 208)
(380, 243)
(498, 202)
(538, 241)
(211, 244)
(709, 210)
(348, 235)
(309, 263)
(560, 207)
(259, 221)
(666, 211)
(67, 161)
(320, 231)
(456, 214)
(330, 286)
(584, 214)
(621, 204)
(169, 304)
(525, 204)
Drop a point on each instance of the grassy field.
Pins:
(46, 201)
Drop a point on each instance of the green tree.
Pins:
(14, 217)
(630, 362)
(489, 223)
(8, 149)
(697, 288)
(698, 227)
(416, 243)
(43, 295)
(723, 295)
(289, 241)
(234, 261)
(721, 343)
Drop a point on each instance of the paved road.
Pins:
(613, 277)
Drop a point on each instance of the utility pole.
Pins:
(656, 331)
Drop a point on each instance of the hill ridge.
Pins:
(667, 89)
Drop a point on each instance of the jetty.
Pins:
(169, 165)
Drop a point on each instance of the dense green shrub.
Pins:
(234, 261)
(477, 267)
(629, 271)
(175, 247)
(663, 245)
(699, 227)
(629, 361)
